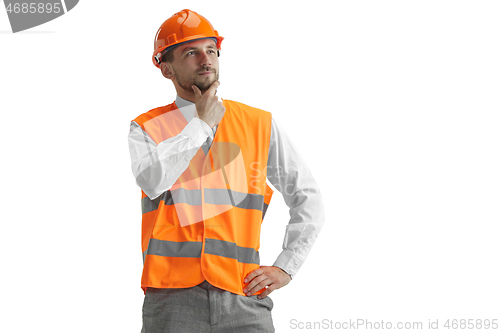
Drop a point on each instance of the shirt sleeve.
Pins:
(156, 167)
(289, 174)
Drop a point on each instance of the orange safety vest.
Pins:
(207, 226)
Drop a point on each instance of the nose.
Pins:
(205, 60)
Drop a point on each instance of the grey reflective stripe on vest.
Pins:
(164, 248)
(149, 205)
(190, 197)
(264, 210)
(212, 196)
(220, 196)
(245, 255)
(180, 195)
(193, 250)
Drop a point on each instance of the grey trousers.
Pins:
(204, 308)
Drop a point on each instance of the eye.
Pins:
(190, 53)
(211, 51)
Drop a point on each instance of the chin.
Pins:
(204, 86)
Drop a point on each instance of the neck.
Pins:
(188, 96)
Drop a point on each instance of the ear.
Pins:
(167, 70)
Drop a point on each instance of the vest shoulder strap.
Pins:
(249, 111)
(151, 114)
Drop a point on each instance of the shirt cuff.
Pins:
(197, 130)
(288, 262)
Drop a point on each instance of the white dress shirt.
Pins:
(157, 167)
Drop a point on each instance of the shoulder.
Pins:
(153, 113)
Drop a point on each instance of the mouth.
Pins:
(205, 73)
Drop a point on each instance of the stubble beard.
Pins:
(203, 86)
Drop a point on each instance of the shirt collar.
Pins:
(186, 107)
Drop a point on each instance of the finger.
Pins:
(261, 286)
(213, 88)
(254, 273)
(258, 284)
(254, 282)
(197, 92)
(267, 292)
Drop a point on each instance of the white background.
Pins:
(394, 105)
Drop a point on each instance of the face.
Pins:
(195, 63)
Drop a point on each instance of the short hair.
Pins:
(168, 56)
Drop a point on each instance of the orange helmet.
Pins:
(182, 27)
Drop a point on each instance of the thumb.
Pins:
(197, 93)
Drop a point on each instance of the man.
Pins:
(202, 165)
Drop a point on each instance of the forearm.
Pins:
(306, 220)
(157, 167)
(289, 174)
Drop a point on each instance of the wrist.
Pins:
(284, 271)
